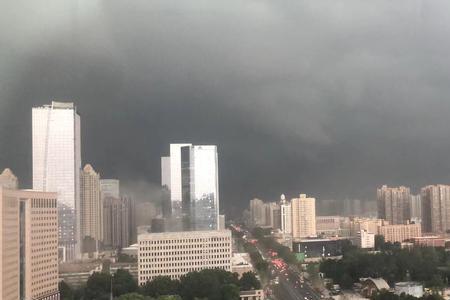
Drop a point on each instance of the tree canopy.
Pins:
(423, 264)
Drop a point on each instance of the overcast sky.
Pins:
(330, 98)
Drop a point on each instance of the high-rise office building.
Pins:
(303, 217)
(393, 204)
(175, 179)
(57, 166)
(286, 216)
(91, 206)
(8, 180)
(116, 222)
(204, 188)
(435, 208)
(194, 185)
(28, 245)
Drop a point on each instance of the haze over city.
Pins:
(332, 97)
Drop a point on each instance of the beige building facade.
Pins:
(329, 226)
(91, 206)
(28, 245)
(8, 180)
(174, 254)
(303, 217)
(400, 232)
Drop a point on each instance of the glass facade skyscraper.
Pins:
(57, 166)
(194, 186)
(204, 188)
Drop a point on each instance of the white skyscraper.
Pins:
(286, 216)
(57, 166)
(204, 187)
(194, 185)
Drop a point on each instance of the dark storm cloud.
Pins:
(331, 98)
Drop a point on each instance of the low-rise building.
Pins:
(400, 232)
(318, 248)
(328, 226)
(241, 263)
(370, 286)
(252, 295)
(77, 274)
(414, 289)
(130, 267)
(132, 250)
(175, 254)
(370, 225)
(429, 241)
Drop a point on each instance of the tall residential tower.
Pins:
(91, 207)
(435, 208)
(393, 204)
(303, 217)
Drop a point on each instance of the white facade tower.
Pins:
(191, 174)
(57, 166)
(286, 216)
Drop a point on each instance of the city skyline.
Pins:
(318, 107)
(225, 150)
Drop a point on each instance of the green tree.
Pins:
(98, 287)
(229, 292)
(379, 242)
(161, 286)
(199, 285)
(65, 291)
(249, 281)
(133, 296)
(124, 283)
(211, 284)
(169, 297)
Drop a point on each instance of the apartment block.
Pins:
(394, 204)
(303, 217)
(435, 208)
